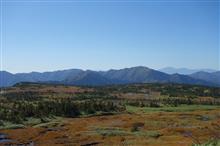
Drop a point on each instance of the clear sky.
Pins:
(99, 35)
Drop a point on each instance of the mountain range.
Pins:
(185, 71)
(138, 74)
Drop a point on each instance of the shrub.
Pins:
(136, 126)
(213, 142)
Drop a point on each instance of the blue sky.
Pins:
(45, 36)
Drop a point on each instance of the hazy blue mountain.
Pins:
(138, 74)
(6, 79)
(9, 79)
(185, 79)
(185, 71)
(209, 77)
(49, 76)
(130, 75)
(88, 78)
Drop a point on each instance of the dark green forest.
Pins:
(26, 100)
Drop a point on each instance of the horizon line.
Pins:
(89, 69)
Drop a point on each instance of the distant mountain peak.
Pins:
(138, 74)
(185, 71)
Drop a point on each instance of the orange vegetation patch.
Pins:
(135, 96)
(153, 129)
(49, 89)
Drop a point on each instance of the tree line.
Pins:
(18, 111)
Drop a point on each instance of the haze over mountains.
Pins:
(138, 74)
(185, 71)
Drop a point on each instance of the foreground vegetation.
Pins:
(152, 113)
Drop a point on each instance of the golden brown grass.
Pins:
(157, 128)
